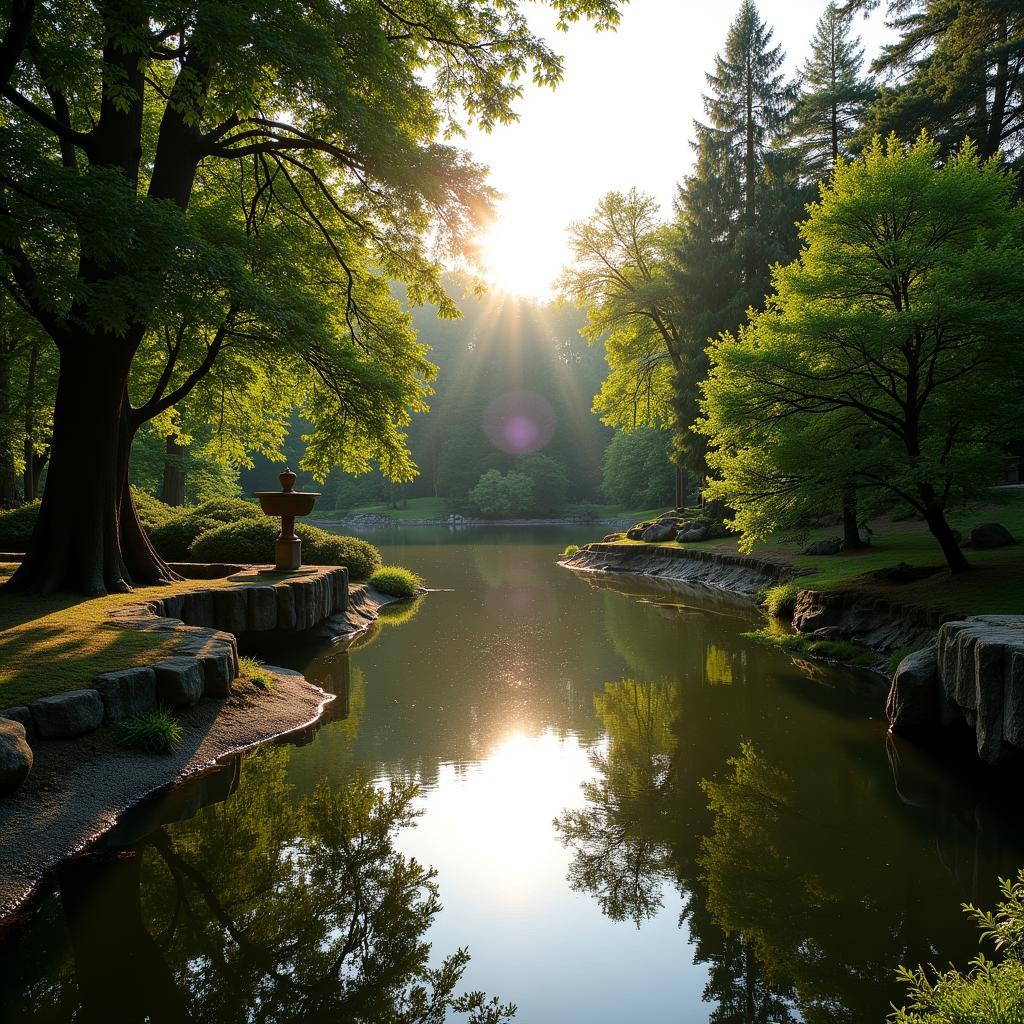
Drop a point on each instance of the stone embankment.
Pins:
(972, 675)
(735, 573)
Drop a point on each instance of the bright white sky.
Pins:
(623, 116)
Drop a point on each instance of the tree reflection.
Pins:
(268, 908)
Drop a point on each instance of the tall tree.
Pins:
(735, 212)
(833, 95)
(956, 70)
(119, 115)
(898, 328)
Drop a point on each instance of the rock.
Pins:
(988, 535)
(695, 533)
(660, 531)
(813, 611)
(129, 691)
(65, 715)
(19, 713)
(15, 755)
(828, 633)
(179, 681)
(831, 546)
(914, 703)
(262, 609)
(231, 610)
(635, 533)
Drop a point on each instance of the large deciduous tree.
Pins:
(147, 150)
(890, 351)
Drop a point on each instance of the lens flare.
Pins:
(519, 422)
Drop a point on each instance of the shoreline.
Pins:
(79, 789)
(385, 522)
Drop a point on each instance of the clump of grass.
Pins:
(396, 581)
(155, 731)
(810, 646)
(253, 670)
(897, 656)
(780, 600)
(570, 550)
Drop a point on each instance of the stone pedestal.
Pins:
(287, 553)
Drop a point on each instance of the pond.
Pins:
(633, 811)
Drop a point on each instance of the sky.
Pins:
(622, 117)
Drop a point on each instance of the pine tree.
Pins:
(833, 96)
(735, 213)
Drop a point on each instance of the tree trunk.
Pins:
(31, 474)
(9, 496)
(88, 538)
(682, 486)
(851, 527)
(942, 531)
(173, 492)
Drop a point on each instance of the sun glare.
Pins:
(512, 262)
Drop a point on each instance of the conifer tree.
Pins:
(832, 98)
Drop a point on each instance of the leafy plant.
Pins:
(570, 550)
(396, 581)
(780, 600)
(252, 669)
(174, 536)
(810, 646)
(989, 992)
(227, 510)
(156, 731)
(16, 527)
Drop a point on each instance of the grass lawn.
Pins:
(995, 584)
(57, 643)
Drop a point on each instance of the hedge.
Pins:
(252, 541)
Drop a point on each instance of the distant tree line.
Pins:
(838, 287)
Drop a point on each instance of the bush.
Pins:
(173, 537)
(570, 550)
(16, 527)
(152, 511)
(156, 731)
(252, 541)
(990, 992)
(497, 496)
(396, 581)
(227, 510)
(780, 600)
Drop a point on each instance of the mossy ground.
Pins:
(57, 643)
(995, 583)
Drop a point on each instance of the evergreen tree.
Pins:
(735, 213)
(833, 95)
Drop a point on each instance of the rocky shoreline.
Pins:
(77, 790)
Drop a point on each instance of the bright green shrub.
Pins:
(570, 550)
(173, 537)
(152, 511)
(252, 541)
(396, 581)
(16, 527)
(780, 600)
(990, 992)
(228, 510)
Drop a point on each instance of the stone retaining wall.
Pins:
(205, 625)
(736, 573)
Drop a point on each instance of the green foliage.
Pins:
(227, 510)
(156, 731)
(875, 359)
(570, 550)
(780, 600)
(16, 526)
(251, 541)
(174, 536)
(550, 485)
(638, 469)
(151, 511)
(809, 646)
(989, 992)
(252, 669)
(497, 496)
(396, 581)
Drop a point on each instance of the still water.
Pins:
(624, 811)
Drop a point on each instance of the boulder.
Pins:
(19, 713)
(814, 610)
(635, 533)
(988, 535)
(830, 546)
(660, 531)
(65, 715)
(914, 703)
(129, 691)
(15, 755)
(695, 533)
(179, 681)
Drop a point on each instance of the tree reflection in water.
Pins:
(268, 908)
